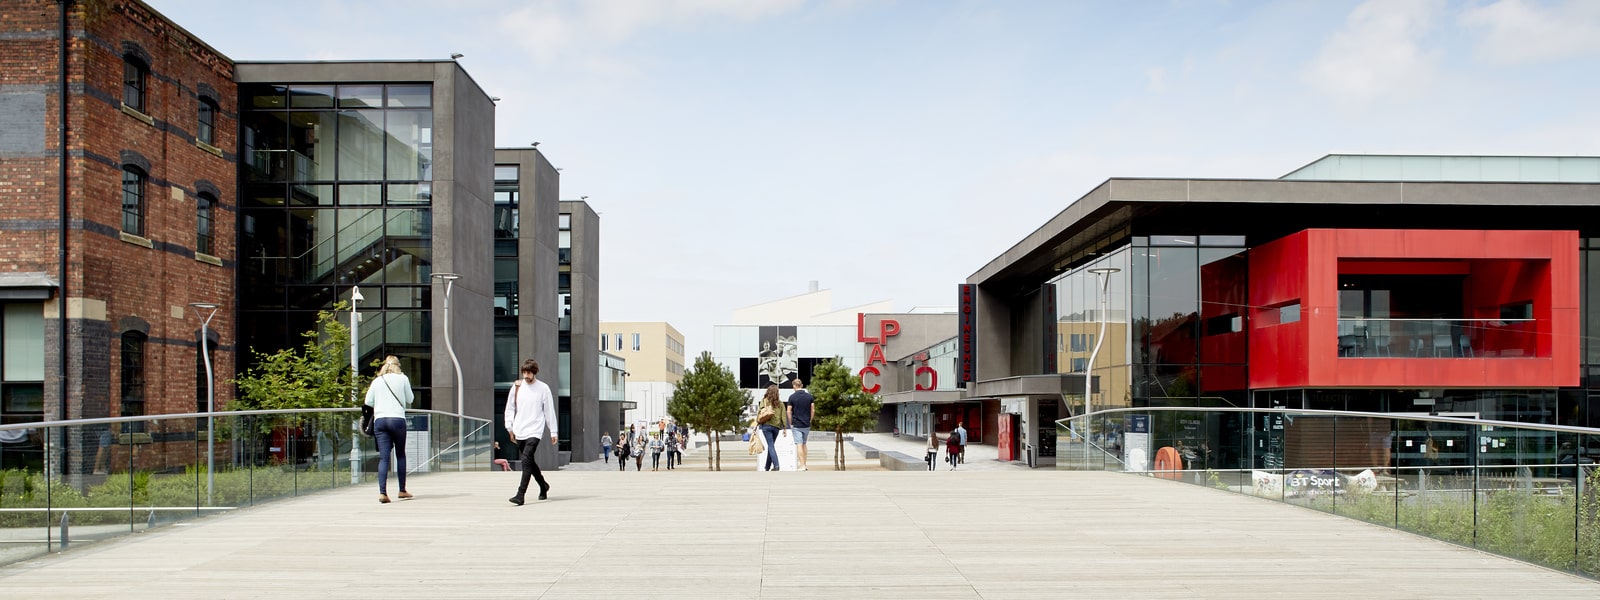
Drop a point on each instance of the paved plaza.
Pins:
(817, 534)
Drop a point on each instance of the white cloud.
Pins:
(1516, 31)
(1379, 51)
(1156, 79)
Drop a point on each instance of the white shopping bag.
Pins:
(786, 452)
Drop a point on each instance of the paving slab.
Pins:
(979, 533)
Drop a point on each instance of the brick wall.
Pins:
(152, 278)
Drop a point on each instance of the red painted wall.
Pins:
(1501, 267)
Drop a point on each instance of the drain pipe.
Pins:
(61, 183)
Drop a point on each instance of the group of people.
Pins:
(636, 441)
(774, 417)
(530, 410)
(955, 451)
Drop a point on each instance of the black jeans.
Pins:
(391, 434)
(529, 467)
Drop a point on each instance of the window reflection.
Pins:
(326, 164)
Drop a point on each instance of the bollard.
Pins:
(66, 523)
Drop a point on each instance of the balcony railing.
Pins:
(70, 483)
(1522, 490)
(1437, 338)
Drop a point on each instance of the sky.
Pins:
(738, 149)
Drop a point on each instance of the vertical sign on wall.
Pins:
(1049, 330)
(966, 335)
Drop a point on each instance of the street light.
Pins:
(622, 410)
(461, 403)
(1103, 275)
(355, 370)
(211, 397)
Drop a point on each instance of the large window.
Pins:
(135, 75)
(133, 377)
(205, 215)
(206, 129)
(337, 192)
(22, 381)
(133, 181)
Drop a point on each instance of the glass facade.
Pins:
(1173, 315)
(564, 324)
(336, 188)
(1177, 334)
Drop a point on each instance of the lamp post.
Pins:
(1103, 277)
(622, 410)
(211, 397)
(355, 343)
(461, 403)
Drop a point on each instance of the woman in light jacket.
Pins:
(390, 396)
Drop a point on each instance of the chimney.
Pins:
(812, 287)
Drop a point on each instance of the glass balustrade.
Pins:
(1438, 338)
(116, 483)
(1526, 491)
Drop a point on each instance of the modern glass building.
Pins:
(375, 175)
(1431, 284)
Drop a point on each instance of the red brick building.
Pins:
(150, 171)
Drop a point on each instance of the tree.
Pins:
(841, 405)
(708, 398)
(317, 375)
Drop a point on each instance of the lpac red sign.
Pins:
(887, 328)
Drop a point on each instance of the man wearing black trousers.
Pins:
(529, 409)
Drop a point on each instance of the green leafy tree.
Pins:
(841, 405)
(316, 375)
(708, 398)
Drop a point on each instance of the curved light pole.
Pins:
(1103, 275)
(355, 370)
(461, 403)
(211, 397)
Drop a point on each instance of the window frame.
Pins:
(205, 225)
(206, 122)
(136, 191)
(132, 378)
(135, 83)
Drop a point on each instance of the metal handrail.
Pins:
(1341, 413)
(202, 415)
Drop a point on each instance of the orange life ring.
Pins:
(1168, 463)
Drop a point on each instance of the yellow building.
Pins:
(654, 354)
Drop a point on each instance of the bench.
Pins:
(900, 461)
(866, 451)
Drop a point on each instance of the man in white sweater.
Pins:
(529, 409)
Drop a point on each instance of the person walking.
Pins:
(961, 443)
(672, 447)
(605, 445)
(656, 446)
(622, 449)
(530, 408)
(390, 396)
(640, 438)
(802, 409)
(932, 455)
(773, 410)
(952, 450)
